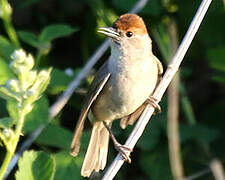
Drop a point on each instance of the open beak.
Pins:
(110, 32)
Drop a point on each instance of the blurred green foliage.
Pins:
(36, 165)
(62, 34)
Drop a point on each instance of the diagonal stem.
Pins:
(13, 145)
(161, 88)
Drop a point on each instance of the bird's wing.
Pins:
(160, 70)
(131, 118)
(159, 65)
(97, 85)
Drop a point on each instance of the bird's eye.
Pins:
(129, 34)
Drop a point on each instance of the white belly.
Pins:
(126, 90)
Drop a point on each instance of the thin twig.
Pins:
(161, 88)
(63, 99)
(217, 169)
(173, 129)
(198, 174)
(166, 54)
(173, 112)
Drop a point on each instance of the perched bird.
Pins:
(120, 89)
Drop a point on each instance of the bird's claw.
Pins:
(124, 151)
(152, 101)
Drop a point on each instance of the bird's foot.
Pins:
(124, 151)
(154, 102)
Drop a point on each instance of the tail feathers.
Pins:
(96, 156)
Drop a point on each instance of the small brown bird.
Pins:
(120, 89)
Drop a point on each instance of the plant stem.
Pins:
(7, 23)
(13, 141)
(160, 89)
(173, 130)
(38, 58)
(173, 111)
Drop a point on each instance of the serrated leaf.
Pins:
(35, 166)
(29, 38)
(59, 81)
(52, 32)
(6, 48)
(5, 72)
(67, 167)
(56, 136)
(6, 122)
(39, 115)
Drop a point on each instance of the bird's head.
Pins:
(128, 32)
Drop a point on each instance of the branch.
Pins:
(217, 169)
(173, 112)
(198, 174)
(161, 88)
(63, 99)
(173, 129)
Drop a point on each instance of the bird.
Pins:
(120, 90)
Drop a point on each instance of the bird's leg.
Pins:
(152, 101)
(123, 150)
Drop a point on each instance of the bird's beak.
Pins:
(110, 32)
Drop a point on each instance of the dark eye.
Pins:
(129, 34)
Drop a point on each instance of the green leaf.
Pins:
(26, 4)
(52, 32)
(6, 48)
(6, 122)
(67, 166)
(156, 164)
(35, 166)
(29, 38)
(198, 131)
(5, 72)
(151, 136)
(219, 79)
(39, 115)
(8, 94)
(216, 57)
(217, 62)
(56, 136)
(12, 107)
(154, 129)
(59, 81)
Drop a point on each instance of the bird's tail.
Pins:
(96, 155)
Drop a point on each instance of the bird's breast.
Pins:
(129, 86)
